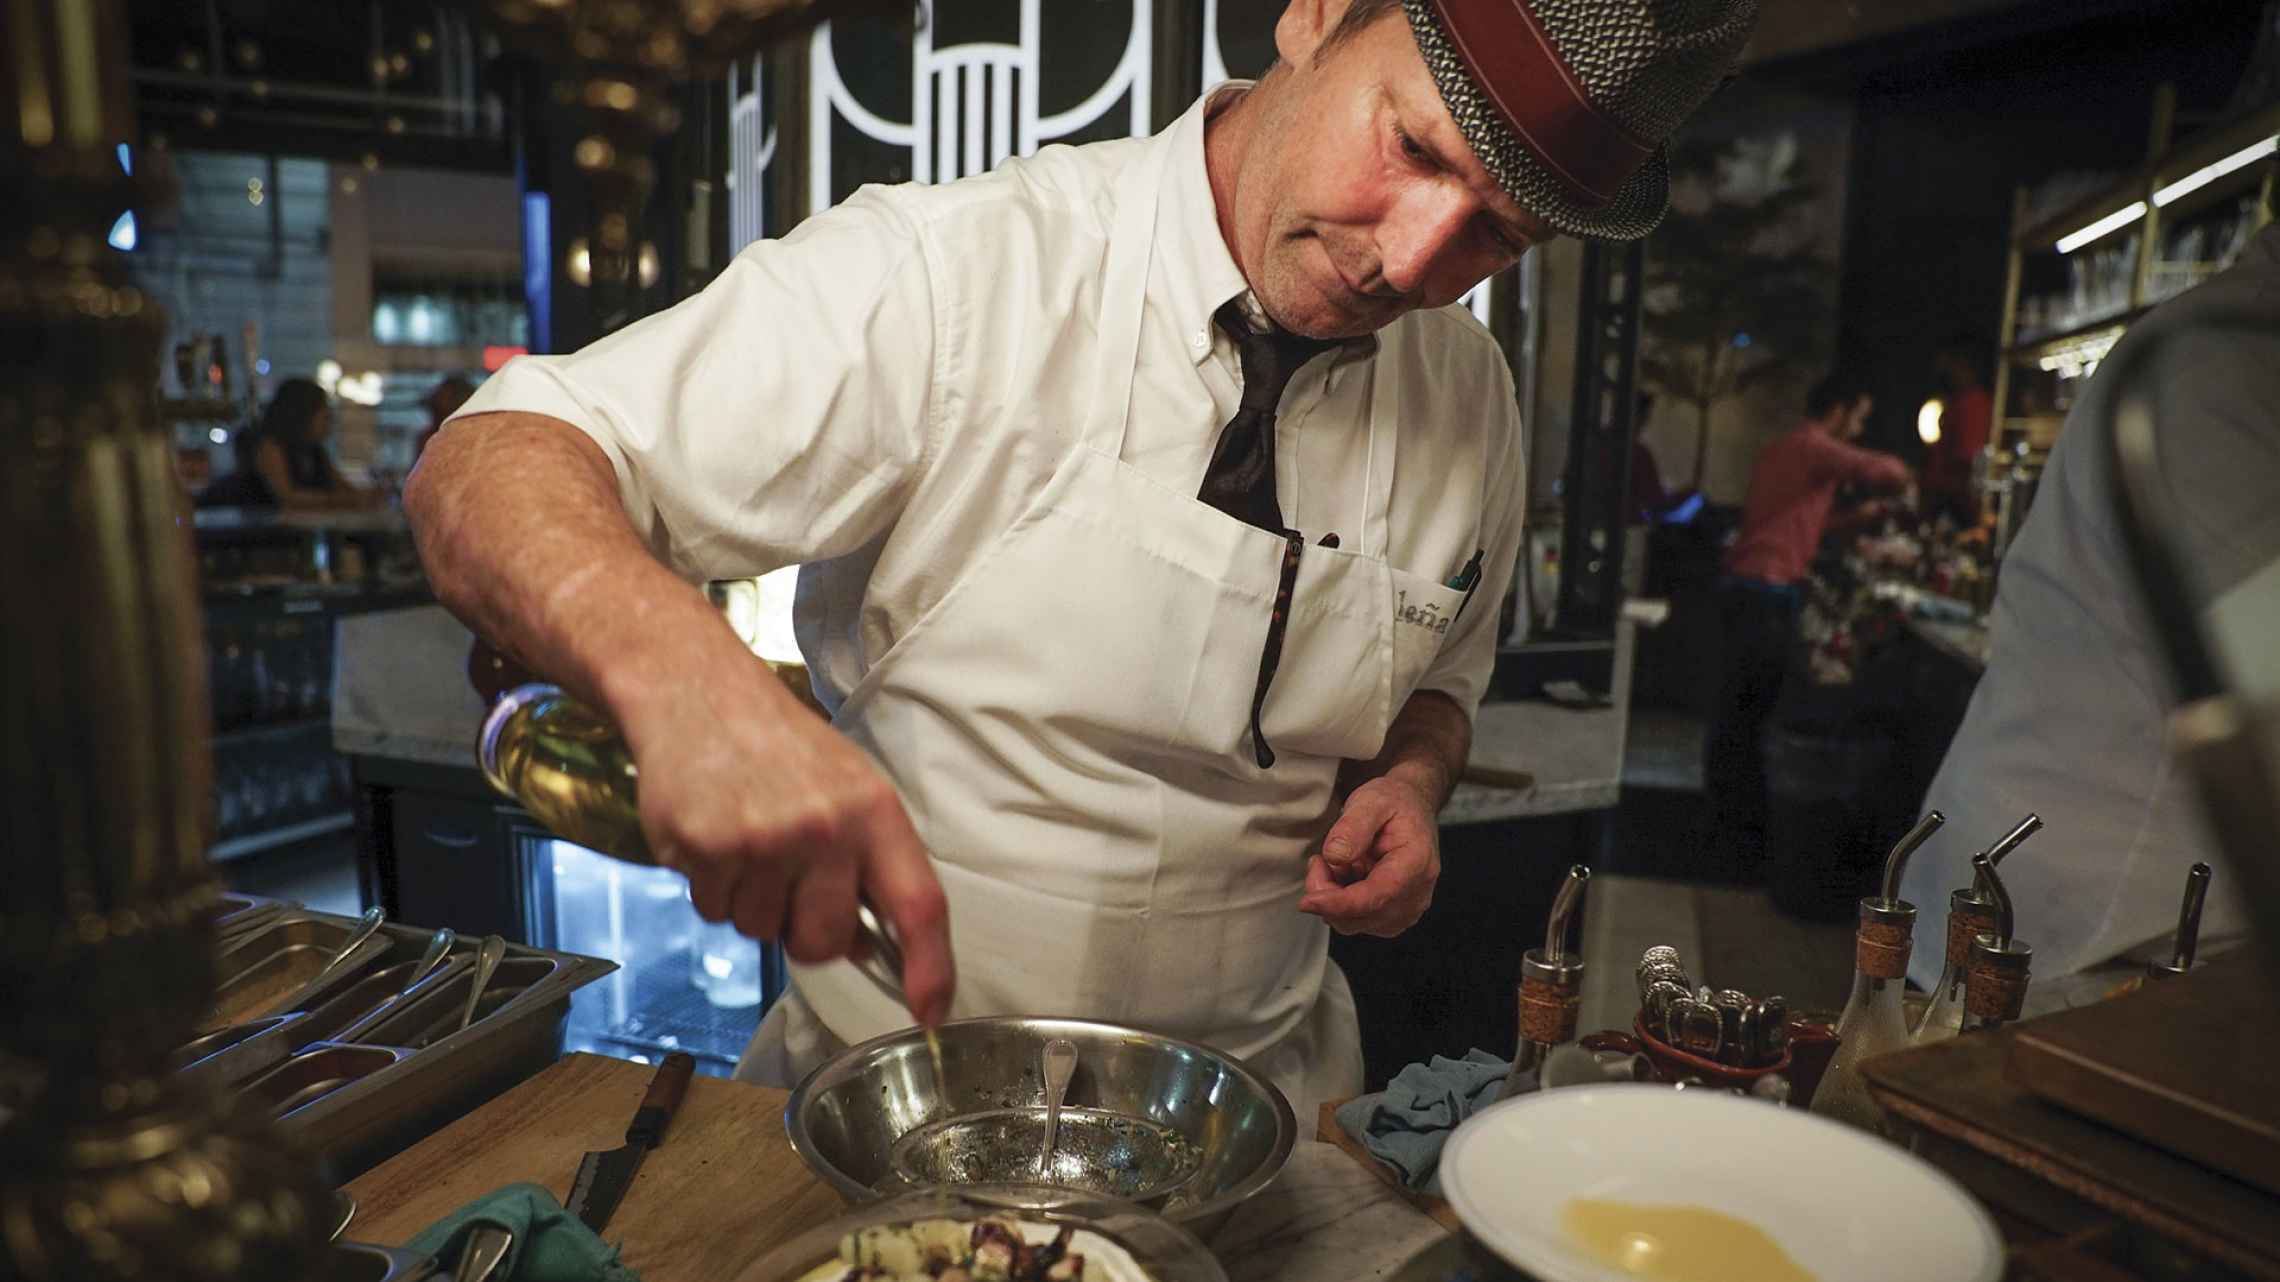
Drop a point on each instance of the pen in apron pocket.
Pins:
(1466, 579)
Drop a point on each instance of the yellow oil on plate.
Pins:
(1678, 1243)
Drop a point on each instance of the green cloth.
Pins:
(551, 1245)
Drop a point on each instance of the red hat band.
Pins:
(1517, 68)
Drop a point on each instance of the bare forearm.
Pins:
(780, 823)
(1426, 746)
(520, 528)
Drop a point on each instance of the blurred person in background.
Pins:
(283, 462)
(1648, 499)
(1967, 414)
(1793, 486)
(442, 402)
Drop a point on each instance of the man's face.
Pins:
(1358, 199)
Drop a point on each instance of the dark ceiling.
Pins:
(408, 81)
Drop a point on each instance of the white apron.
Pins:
(1069, 729)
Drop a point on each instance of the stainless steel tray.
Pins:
(356, 1068)
(317, 1071)
(432, 1015)
(236, 1051)
(234, 913)
(352, 1013)
(281, 965)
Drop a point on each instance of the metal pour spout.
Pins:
(2189, 915)
(1898, 859)
(2005, 922)
(2005, 844)
(1551, 982)
(1564, 904)
(2188, 925)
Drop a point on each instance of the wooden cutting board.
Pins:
(1328, 1129)
(2185, 1064)
(1957, 1091)
(720, 1191)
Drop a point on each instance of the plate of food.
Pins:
(1621, 1182)
(982, 1234)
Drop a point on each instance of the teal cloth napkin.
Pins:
(1420, 1108)
(551, 1245)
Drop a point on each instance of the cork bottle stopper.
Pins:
(1548, 1009)
(1880, 949)
(1964, 925)
(1994, 990)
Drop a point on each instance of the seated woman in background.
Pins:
(282, 461)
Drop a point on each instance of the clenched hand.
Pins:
(1375, 872)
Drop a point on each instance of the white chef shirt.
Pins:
(2071, 718)
(878, 395)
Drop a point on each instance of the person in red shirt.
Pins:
(1792, 488)
(1967, 414)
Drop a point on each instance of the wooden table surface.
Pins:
(721, 1189)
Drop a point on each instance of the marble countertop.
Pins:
(1325, 1220)
(1575, 754)
(400, 691)
(400, 687)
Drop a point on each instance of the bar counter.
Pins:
(724, 1187)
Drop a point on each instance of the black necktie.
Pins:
(1241, 478)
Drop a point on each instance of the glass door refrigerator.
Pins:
(682, 984)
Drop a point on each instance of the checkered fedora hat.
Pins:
(1569, 103)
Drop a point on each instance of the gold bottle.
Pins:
(571, 769)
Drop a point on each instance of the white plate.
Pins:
(1847, 1206)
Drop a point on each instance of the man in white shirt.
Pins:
(1142, 491)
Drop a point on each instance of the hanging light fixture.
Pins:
(619, 60)
(1928, 420)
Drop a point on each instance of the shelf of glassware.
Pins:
(2080, 279)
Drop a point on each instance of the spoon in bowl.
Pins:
(1060, 1066)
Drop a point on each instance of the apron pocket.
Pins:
(1423, 611)
(1332, 693)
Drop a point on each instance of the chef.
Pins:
(1153, 507)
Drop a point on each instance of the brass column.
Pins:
(108, 1170)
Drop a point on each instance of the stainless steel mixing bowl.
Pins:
(845, 1118)
(1095, 1151)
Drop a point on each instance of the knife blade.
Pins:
(603, 1177)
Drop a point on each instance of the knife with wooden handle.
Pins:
(604, 1177)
